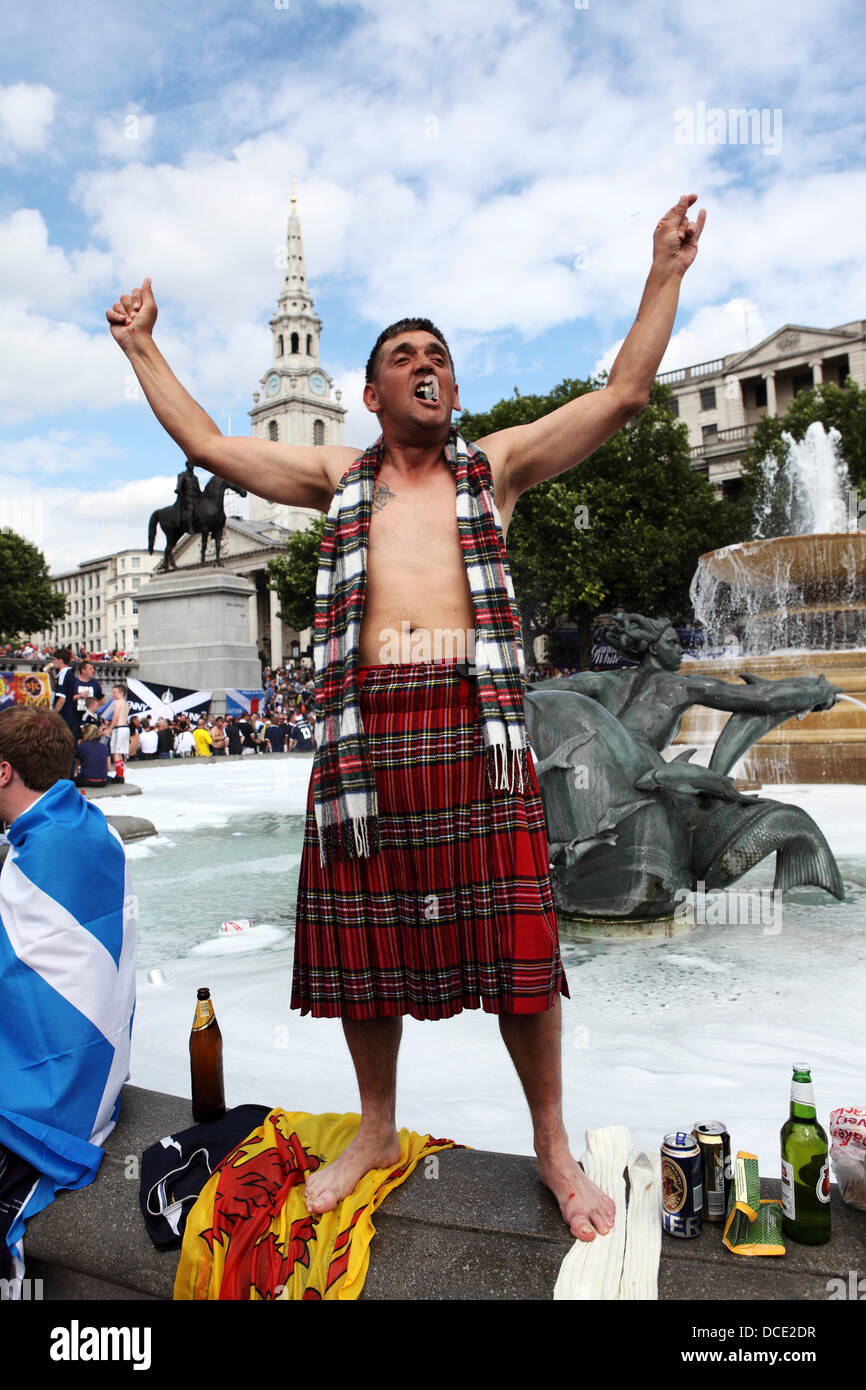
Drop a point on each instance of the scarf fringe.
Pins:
(503, 771)
(356, 838)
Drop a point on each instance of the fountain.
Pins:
(793, 605)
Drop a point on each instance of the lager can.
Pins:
(682, 1197)
(714, 1143)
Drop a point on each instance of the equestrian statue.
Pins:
(195, 512)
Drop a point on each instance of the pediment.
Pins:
(237, 539)
(792, 341)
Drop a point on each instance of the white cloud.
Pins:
(69, 524)
(58, 451)
(35, 274)
(52, 366)
(26, 113)
(360, 427)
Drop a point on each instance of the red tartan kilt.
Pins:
(456, 910)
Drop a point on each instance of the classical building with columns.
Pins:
(296, 404)
(723, 400)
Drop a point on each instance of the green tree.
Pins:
(27, 601)
(766, 490)
(623, 529)
(292, 575)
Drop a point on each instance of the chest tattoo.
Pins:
(382, 494)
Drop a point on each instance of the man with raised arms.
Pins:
(414, 544)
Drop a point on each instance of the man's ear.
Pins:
(456, 405)
(371, 398)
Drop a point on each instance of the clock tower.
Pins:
(297, 403)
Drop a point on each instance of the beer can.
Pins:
(714, 1143)
(682, 1198)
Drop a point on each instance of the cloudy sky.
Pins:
(496, 165)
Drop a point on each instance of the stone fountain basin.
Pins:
(822, 564)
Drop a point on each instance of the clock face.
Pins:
(317, 384)
(272, 385)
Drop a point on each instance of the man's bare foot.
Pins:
(370, 1149)
(586, 1210)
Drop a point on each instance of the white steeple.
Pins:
(297, 403)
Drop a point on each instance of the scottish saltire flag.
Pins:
(67, 991)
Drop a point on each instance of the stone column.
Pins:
(254, 611)
(276, 631)
(770, 379)
(817, 372)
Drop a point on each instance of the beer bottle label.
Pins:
(788, 1190)
(204, 1015)
(822, 1187)
(802, 1093)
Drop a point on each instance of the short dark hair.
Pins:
(38, 744)
(393, 331)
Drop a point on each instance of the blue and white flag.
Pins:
(244, 701)
(67, 991)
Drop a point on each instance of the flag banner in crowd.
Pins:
(244, 701)
(68, 962)
(18, 688)
(165, 701)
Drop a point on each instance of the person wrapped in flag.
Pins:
(67, 976)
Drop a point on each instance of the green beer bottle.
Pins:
(805, 1167)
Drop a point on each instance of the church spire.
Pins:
(295, 278)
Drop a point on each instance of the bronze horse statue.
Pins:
(209, 520)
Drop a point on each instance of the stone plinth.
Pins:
(194, 632)
(624, 928)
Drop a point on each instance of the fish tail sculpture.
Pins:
(732, 838)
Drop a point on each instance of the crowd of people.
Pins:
(215, 736)
(28, 651)
(107, 735)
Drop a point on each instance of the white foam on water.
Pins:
(236, 942)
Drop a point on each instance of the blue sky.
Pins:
(497, 167)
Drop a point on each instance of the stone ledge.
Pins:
(484, 1228)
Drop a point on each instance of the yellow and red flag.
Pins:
(250, 1236)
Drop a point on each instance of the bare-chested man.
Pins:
(118, 730)
(417, 584)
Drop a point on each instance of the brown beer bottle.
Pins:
(206, 1063)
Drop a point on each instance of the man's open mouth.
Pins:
(428, 389)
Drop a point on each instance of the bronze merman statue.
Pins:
(627, 830)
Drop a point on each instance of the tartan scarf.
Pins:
(344, 787)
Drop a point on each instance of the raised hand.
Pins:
(132, 313)
(675, 240)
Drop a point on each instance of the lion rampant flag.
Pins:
(250, 1236)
